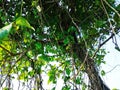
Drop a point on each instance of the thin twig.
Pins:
(52, 1)
(113, 31)
(19, 58)
(12, 54)
(73, 21)
(111, 26)
(74, 85)
(100, 45)
(81, 66)
(21, 7)
(112, 8)
(113, 68)
(78, 29)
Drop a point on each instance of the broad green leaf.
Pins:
(38, 46)
(5, 31)
(23, 22)
(51, 77)
(68, 71)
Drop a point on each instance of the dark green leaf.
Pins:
(38, 46)
(117, 48)
(72, 29)
(66, 88)
(66, 78)
(99, 23)
(78, 81)
(53, 88)
(68, 71)
(66, 41)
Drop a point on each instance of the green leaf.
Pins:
(30, 54)
(78, 81)
(53, 88)
(31, 73)
(103, 73)
(84, 86)
(66, 88)
(34, 3)
(99, 23)
(66, 78)
(5, 31)
(5, 88)
(68, 71)
(52, 77)
(117, 48)
(38, 46)
(23, 22)
(72, 29)
(66, 41)
(93, 31)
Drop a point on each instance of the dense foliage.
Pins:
(57, 38)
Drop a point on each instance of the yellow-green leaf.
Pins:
(23, 22)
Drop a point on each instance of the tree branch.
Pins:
(19, 58)
(12, 54)
(113, 68)
(112, 8)
(100, 45)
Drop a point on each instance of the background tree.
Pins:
(68, 32)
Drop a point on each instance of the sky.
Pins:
(112, 66)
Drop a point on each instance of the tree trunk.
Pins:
(95, 80)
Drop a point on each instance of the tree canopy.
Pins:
(58, 38)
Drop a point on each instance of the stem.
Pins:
(112, 8)
(21, 7)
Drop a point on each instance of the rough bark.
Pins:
(95, 80)
(96, 83)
